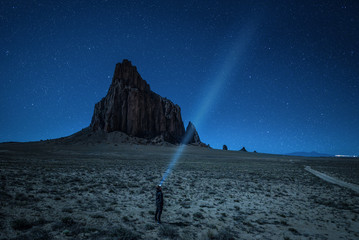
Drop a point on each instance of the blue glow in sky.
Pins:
(293, 88)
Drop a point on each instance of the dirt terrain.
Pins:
(107, 191)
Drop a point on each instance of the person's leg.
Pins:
(156, 218)
(159, 215)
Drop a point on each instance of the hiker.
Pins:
(159, 204)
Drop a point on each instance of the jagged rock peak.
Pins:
(191, 135)
(128, 74)
(131, 107)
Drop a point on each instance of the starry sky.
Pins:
(272, 76)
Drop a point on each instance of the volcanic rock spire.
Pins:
(191, 135)
(131, 107)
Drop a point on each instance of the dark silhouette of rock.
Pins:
(131, 107)
(225, 147)
(243, 149)
(191, 135)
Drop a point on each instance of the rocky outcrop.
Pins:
(191, 136)
(131, 107)
(243, 149)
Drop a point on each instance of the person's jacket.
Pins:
(159, 198)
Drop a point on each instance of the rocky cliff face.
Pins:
(131, 107)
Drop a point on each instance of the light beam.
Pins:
(231, 61)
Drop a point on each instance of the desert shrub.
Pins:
(34, 234)
(97, 215)
(185, 214)
(185, 204)
(149, 227)
(109, 209)
(21, 224)
(21, 197)
(125, 219)
(40, 234)
(40, 221)
(68, 210)
(284, 223)
(68, 221)
(4, 196)
(125, 234)
(223, 234)
(238, 218)
(294, 231)
(198, 215)
(208, 235)
(168, 231)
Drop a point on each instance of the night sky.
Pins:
(273, 76)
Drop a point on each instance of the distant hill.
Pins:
(309, 154)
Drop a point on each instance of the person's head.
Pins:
(159, 188)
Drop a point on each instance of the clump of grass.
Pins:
(21, 197)
(185, 214)
(68, 221)
(40, 221)
(97, 215)
(198, 215)
(223, 234)
(125, 234)
(208, 235)
(125, 219)
(168, 231)
(40, 234)
(21, 224)
(149, 227)
(68, 210)
(185, 204)
(109, 209)
(294, 231)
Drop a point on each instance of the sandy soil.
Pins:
(107, 191)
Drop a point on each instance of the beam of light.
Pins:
(232, 60)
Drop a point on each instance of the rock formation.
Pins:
(191, 136)
(131, 107)
(243, 149)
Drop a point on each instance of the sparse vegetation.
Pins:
(21, 224)
(198, 215)
(103, 192)
(68, 221)
(168, 231)
(123, 233)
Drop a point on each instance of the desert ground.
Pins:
(107, 191)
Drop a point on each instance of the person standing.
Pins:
(159, 204)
